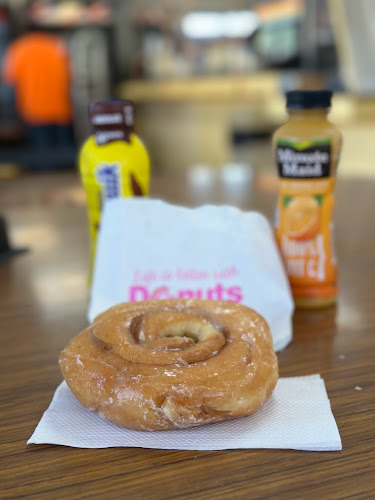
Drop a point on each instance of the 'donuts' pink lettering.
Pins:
(137, 293)
(160, 293)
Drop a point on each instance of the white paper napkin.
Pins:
(149, 249)
(297, 416)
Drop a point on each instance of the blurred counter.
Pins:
(188, 121)
(185, 122)
(226, 88)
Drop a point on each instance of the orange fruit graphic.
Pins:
(302, 218)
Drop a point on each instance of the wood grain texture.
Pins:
(43, 304)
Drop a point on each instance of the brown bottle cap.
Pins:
(112, 120)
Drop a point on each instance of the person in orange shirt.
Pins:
(37, 65)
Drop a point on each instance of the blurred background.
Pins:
(207, 77)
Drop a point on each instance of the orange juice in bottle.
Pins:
(113, 162)
(307, 150)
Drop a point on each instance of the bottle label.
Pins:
(108, 175)
(303, 160)
(304, 225)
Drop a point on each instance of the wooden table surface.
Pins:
(43, 304)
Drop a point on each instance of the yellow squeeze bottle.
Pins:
(113, 162)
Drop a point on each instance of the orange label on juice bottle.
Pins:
(304, 225)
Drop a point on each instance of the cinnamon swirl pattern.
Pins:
(169, 364)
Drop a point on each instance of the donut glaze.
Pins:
(169, 364)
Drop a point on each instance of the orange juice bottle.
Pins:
(307, 150)
(113, 162)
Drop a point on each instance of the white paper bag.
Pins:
(149, 249)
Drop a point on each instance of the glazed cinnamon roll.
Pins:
(169, 364)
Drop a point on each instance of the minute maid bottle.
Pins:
(113, 161)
